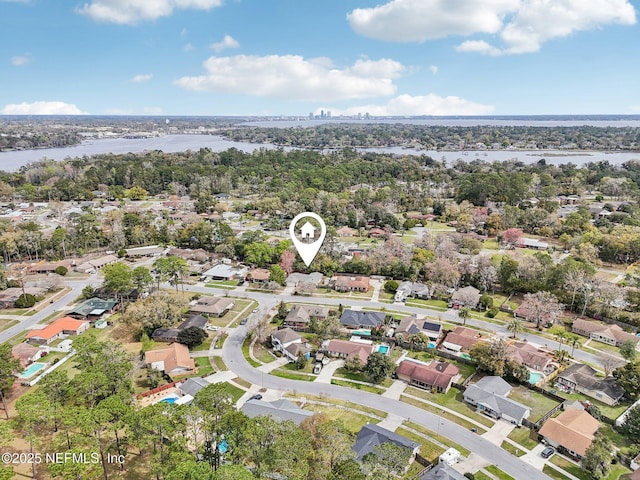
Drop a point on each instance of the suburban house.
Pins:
(96, 264)
(299, 316)
(461, 339)
(572, 431)
(489, 395)
(93, 309)
(193, 385)
(280, 410)
(57, 329)
(412, 325)
(350, 284)
(584, 379)
(47, 267)
(371, 435)
(525, 312)
(346, 232)
(532, 357)
(212, 306)
(412, 289)
(148, 251)
(311, 280)
(172, 360)
(377, 233)
(225, 272)
(465, 297)
(349, 349)
(171, 334)
(362, 319)
(258, 275)
(532, 243)
(289, 343)
(436, 376)
(443, 471)
(26, 353)
(602, 332)
(9, 296)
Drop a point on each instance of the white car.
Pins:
(255, 310)
(212, 328)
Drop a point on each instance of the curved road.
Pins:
(234, 359)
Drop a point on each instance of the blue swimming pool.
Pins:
(32, 369)
(535, 377)
(431, 345)
(171, 398)
(383, 349)
(223, 446)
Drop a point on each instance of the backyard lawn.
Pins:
(204, 366)
(438, 411)
(538, 403)
(522, 436)
(453, 401)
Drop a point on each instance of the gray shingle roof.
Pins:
(372, 435)
(279, 410)
(358, 318)
(193, 385)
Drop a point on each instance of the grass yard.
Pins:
(4, 324)
(366, 410)
(553, 473)
(245, 351)
(428, 449)
(438, 411)
(522, 436)
(496, 472)
(222, 283)
(480, 475)
(352, 421)
(293, 376)
(262, 353)
(518, 452)
(219, 364)
(438, 438)
(204, 346)
(204, 366)
(570, 467)
(538, 403)
(359, 377)
(453, 401)
(432, 304)
(242, 382)
(239, 306)
(234, 392)
(357, 386)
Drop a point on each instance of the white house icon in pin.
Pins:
(307, 245)
(308, 232)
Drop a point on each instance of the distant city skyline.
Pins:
(293, 58)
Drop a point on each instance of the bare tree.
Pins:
(609, 364)
(542, 307)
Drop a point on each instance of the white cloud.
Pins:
(293, 77)
(433, 69)
(430, 104)
(227, 42)
(188, 47)
(41, 108)
(132, 11)
(141, 78)
(522, 25)
(20, 60)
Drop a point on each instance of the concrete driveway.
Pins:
(498, 432)
(327, 371)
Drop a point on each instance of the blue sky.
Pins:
(293, 57)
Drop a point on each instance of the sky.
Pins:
(295, 57)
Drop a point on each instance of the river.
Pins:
(12, 161)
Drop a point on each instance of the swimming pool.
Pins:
(431, 345)
(535, 377)
(383, 349)
(32, 369)
(362, 331)
(170, 398)
(223, 446)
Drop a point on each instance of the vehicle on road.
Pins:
(243, 321)
(547, 452)
(255, 310)
(257, 396)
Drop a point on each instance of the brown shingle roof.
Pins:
(573, 429)
(174, 356)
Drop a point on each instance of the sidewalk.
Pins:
(395, 390)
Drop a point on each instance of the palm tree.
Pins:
(573, 340)
(464, 313)
(561, 356)
(560, 333)
(515, 327)
(418, 339)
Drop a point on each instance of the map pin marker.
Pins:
(307, 248)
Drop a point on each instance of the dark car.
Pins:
(547, 452)
(257, 396)
(243, 321)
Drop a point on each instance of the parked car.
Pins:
(212, 328)
(243, 321)
(255, 310)
(317, 368)
(547, 452)
(257, 396)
